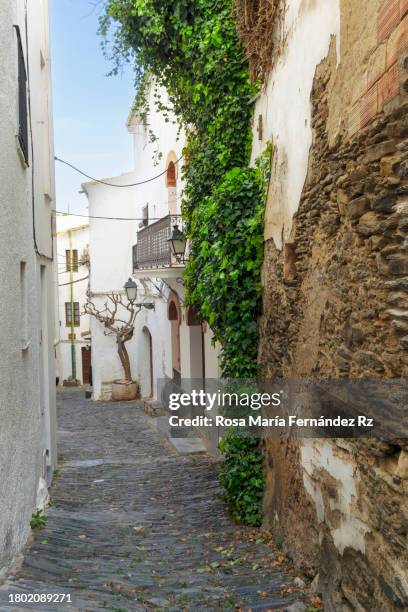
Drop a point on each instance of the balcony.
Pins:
(152, 251)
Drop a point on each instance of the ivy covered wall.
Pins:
(191, 48)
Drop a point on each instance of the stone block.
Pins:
(389, 165)
(397, 43)
(403, 224)
(369, 224)
(398, 313)
(377, 242)
(398, 299)
(400, 284)
(388, 18)
(384, 203)
(369, 360)
(398, 265)
(389, 224)
(342, 201)
(388, 86)
(358, 207)
(399, 325)
(402, 467)
(379, 150)
(404, 343)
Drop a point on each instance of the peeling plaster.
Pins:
(318, 457)
(286, 107)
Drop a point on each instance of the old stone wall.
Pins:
(336, 305)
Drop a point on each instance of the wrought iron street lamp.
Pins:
(131, 290)
(131, 293)
(178, 243)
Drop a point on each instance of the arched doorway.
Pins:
(174, 316)
(146, 367)
(171, 182)
(197, 346)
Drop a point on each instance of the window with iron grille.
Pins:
(22, 99)
(71, 258)
(68, 312)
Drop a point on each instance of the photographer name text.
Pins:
(279, 421)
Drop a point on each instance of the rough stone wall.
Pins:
(336, 305)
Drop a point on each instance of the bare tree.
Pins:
(121, 328)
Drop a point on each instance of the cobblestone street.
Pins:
(135, 526)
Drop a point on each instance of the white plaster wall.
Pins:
(286, 107)
(110, 250)
(212, 352)
(111, 253)
(146, 161)
(159, 327)
(111, 257)
(27, 365)
(317, 455)
(79, 241)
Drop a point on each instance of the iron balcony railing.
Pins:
(153, 249)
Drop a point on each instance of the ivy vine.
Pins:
(242, 476)
(191, 48)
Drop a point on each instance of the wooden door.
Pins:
(86, 365)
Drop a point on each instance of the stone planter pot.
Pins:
(124, 390)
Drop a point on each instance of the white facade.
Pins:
(154, 347)
(72, 352)
(27, 361)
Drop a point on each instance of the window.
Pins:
(71, 260)
(77, 318)
(22, 99)
(171, 175)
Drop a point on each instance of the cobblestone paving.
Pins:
(135, 526)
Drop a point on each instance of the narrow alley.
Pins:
(134, 526)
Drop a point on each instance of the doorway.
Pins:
(147, 364)
(174, 316)
(86, 364)
(197, 345)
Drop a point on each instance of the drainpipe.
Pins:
(71, 288)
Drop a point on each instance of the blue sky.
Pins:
(90, 109)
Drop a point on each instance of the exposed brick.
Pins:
(388, 86)
(388, 18)
(369, 105)
(398, 42)
(354, 119)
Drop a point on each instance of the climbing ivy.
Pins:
(223, 272)
(192, 49)
(242, 476)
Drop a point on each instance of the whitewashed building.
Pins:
(74, 346)
(27, 197)
(169, 341)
